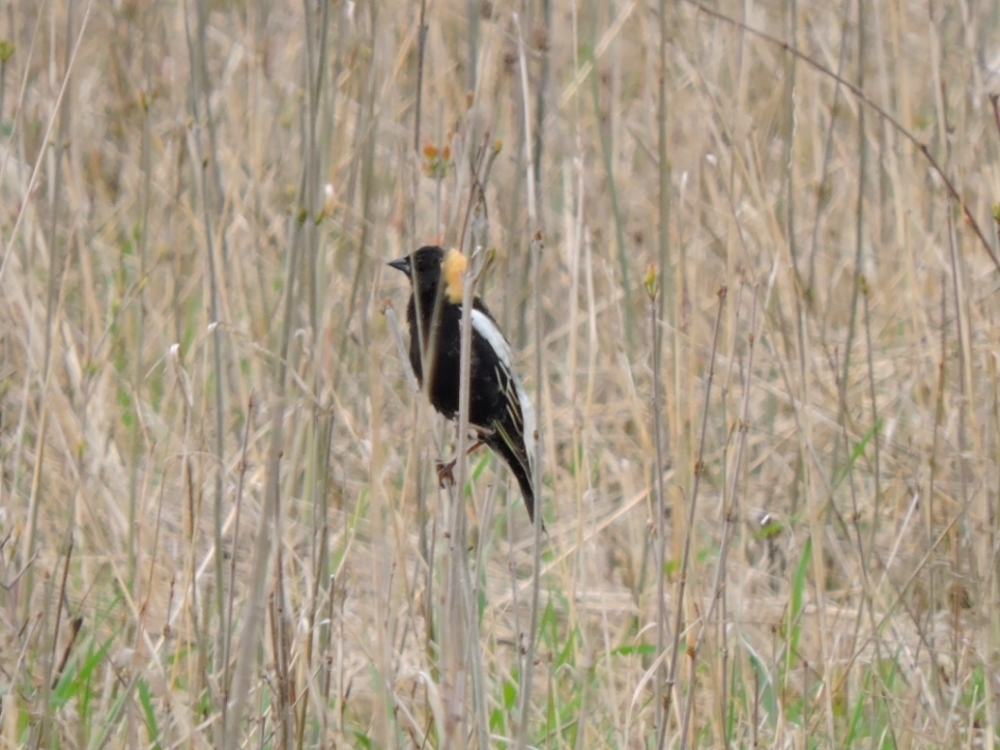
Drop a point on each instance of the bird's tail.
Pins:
(519, 467)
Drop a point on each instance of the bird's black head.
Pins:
(427, 266)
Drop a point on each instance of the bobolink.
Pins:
(499, 409)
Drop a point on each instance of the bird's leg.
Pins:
(445, 468)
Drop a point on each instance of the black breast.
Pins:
(442, 355)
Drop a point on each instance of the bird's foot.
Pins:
(445, 472)
(446, 469)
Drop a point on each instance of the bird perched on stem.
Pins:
(499, 409)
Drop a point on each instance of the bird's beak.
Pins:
(401, 264)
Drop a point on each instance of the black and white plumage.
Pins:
(499, 409)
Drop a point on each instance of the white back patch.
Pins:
(489, 331)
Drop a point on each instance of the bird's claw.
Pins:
(445, 472)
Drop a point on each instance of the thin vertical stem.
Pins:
(199, 90)
(656, 312)
(419, 93)
(455, 621)
(530, 167)
(790, 146)
(528, 662)
(25, 204)
(659, 508)
(663, 170)
(606, 133)
(227, 625)
(692, 507)
(540, 96)
(140, 322)
(472, 13)
(56, 281)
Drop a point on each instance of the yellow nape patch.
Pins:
(453, 269)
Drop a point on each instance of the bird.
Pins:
(500, 412)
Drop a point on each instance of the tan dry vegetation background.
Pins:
(200, 161)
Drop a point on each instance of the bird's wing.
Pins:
(519, 409)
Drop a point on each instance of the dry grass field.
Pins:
(746, 256)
